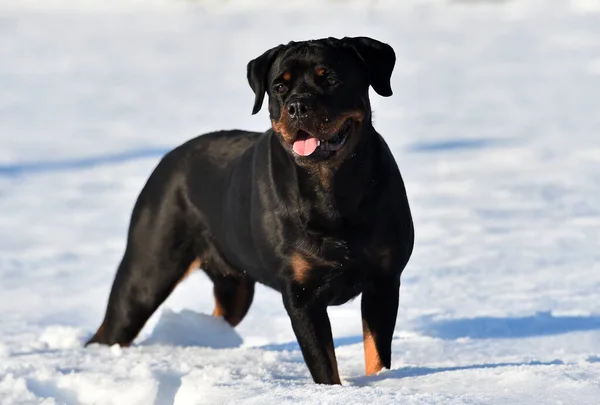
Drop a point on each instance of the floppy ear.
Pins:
(379, 60)
(258, 70)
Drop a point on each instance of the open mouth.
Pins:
(307, 145)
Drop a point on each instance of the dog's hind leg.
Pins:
(233, 297)
(138, 290)
(233, 289)
(161, 249)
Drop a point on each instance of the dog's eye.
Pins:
(280, 88)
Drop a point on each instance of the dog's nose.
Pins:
(299, 108)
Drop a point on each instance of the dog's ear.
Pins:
(379, 60)
(258, 69)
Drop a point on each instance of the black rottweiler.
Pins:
(315, 207)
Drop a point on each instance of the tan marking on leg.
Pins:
(234, 314)
(193, 266)
(300, 267)
(373, 363)
(219, 310)
(100, 331)
(98, 335)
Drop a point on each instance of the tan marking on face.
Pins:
(334, 126)
(320, 71)
(373, 363)
(334, 366)
(281, 126)
(287, 76)
(300, 267)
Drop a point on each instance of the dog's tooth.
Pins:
(318, 143)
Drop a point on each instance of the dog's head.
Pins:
(318, 93)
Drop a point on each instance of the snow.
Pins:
(494, 123)
(193, 329)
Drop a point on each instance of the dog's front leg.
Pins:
(313, 331)
(379, 310)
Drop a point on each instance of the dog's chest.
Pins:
(338, 270)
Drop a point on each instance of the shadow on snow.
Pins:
(406, 372)
(27, 168)
(290, 346)
(457, 144)
(540, 324)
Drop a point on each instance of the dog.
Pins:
(314, 208)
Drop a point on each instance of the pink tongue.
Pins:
(306, 146)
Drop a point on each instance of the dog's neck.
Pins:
(336, 192)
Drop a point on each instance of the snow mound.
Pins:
(62, 337)
(189, 328)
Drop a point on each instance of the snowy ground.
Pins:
(494, 123)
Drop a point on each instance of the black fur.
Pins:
(321, 229)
